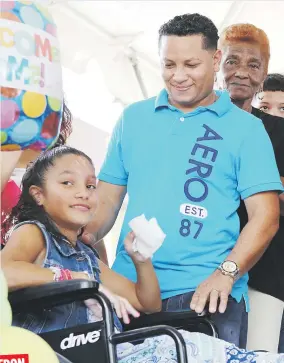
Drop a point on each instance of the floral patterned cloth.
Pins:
(200, 349)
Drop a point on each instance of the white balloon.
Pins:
(5, 314)
(19, 341)
(3, 287)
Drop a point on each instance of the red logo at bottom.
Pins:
(14, 358)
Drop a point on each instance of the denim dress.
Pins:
(63, 255)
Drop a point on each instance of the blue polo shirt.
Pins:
(189, 171)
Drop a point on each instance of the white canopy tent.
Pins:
(111, 46)
(110, 58)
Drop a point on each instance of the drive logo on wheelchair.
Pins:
(81, 339)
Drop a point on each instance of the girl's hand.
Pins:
(128, 245)
(121, 306)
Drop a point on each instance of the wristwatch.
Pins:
(229, 268)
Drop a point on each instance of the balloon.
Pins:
(31, 97)
(6, 313)
(18, 341)
(3, 287)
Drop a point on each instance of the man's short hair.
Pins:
(192, 24)
(274, 82)
(247, 33)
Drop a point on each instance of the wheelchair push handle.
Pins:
(52, 294)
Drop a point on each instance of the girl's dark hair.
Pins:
(66, 126)
(27, 208)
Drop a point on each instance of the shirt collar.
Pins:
(162, 99)
(220, 106)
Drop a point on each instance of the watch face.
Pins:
(229, 266)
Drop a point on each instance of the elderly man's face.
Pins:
(243, 69)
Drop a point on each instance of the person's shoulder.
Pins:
(27, 233)
(244, 116)
(143, 105)
(244, 121)
(25, 243)
(134, 116)
(274, 125)
(267, 118)
(28, 230)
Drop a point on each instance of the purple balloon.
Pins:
(9, 113)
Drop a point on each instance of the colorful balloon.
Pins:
(18, 341)
(30, 76)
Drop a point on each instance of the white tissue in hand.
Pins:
(149, 235)
(137, 224)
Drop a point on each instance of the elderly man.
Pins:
(186, 157)
(244, 68)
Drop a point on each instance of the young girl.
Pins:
(58, 199)
(14, 163)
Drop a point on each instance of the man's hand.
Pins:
(87, 238)
(216, 288)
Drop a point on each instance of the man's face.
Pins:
(243, 69)
(188, 69)
(271, 102)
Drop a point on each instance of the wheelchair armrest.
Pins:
(164, 318)
(187, 320)
(52, 294)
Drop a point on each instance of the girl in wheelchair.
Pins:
(58, 199)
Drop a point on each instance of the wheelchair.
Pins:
(96, 342)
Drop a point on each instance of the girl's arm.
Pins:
(25, 247)
(145, 294)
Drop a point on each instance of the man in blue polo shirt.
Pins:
(186, 157)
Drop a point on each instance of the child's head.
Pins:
(29, 155)
(58, 190)
(271, 98)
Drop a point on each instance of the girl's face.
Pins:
(69, 192)
(271, 102)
